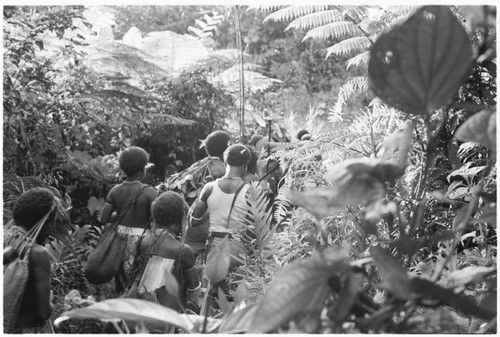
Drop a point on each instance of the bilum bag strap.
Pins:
(234, 201)
(131, 205)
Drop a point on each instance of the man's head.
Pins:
(169, 210)
(32, 205)
(237, 155)
(133, 160)
(216, 143)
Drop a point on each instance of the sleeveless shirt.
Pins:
(219, 205)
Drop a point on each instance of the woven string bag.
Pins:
(15, 274)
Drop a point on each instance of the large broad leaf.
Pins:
(356, 181)
(320, 202)
(129, 309)
(301, 288)
(395, 278)
(239, 321)
(218, 262)
(419, 66)
(480, 128)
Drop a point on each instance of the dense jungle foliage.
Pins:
(384, 222)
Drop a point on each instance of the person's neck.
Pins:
(234, 173)
(134, 178)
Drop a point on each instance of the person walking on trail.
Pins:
(225, 201)
(133, 162)
(36, 307)
(215, 144)
(164, 253)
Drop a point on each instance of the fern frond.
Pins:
(333, 30)
(362, 58)
(265, 8)
(359, 83)
(316, 19)
(261, 214)
(349, 45)
(282, 209)
(292, 12)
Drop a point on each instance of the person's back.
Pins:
(119, 197)
(216, 198)
(220, 203)
(133, 162)
(36, 307)
(166, 253)
(215, 144)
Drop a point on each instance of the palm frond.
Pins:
(292, 12)
(333, 30)
(359, 59)
(358, 83)
(316, 19)
(349, 45)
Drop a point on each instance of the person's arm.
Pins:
(39, 269)
(190, 273)
(199, 214)
(151, 196)
(108, 209)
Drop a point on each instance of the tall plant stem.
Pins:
(242, 73)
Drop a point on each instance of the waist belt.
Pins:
(220, 234)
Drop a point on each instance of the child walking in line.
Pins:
(133, 162)
(165, 253)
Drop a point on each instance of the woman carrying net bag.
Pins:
(26, 303)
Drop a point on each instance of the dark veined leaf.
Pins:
(429, 290)
(480, 128)
(218, 262)
(418, 66)
(129, 309)
(300, 288)
(395, 278)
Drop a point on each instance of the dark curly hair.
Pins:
(254, 156)
(32, 205)
(237, 155)
(133, 159)
(168, 209)
(216, 143)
